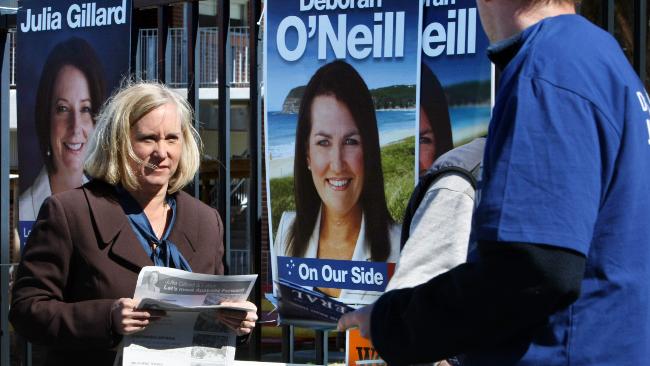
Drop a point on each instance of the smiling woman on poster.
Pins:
(341, 210)
(70, 92)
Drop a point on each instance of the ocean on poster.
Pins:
(468, 122)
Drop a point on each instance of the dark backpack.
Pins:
(464, 160)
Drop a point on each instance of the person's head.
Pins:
(70, 92)
(145, 140)
(435, 126)
(337, 157)
(502, 19)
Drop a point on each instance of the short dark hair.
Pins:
(537, 2)
(77, 53)
(342, 81)
(433, 103)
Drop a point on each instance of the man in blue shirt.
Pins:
(562, 271)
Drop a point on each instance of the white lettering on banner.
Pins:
(320, 5)
(307, 273)
(333, 275)
(643, 100)
(299, 26)
(46, 20)
(370, 277)
(77, 16)
(384, 39)
(439, 2)
(436, 37)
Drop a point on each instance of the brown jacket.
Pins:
(82, 255)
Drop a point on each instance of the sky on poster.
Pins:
(282, 75)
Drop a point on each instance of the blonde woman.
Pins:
(82, 259)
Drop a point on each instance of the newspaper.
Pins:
(189, 334)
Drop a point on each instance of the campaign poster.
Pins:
(72, 54)
(455, 90)
(455, 95)
(341, 119)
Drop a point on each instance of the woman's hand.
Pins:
(242, 322)
(127, 320)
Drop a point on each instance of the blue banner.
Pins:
(330, 273)
(24, 228)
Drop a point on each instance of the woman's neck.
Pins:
(150, 199)
(340, 230)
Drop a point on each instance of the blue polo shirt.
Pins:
(567, 164)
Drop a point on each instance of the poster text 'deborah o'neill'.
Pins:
(76, 16)
(385, 38)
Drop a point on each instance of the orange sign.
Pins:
(360, 351)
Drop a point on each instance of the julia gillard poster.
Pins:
(72, 55)
(341, 117)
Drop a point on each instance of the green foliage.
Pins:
(297, 92)
(282, 194)
(471, 92)
(398, 161)
(398, 166)
(396, 96)
(390, 97)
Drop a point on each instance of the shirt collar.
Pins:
(503, 51)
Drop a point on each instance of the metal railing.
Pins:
(12, 57)
(239, 262)
(208, 59)
(147, 56)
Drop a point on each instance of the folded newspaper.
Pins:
(302, 307)
(189, 334)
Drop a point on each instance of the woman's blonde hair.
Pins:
(110, 149)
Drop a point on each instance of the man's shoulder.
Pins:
(574, 54)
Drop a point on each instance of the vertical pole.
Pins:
(254, 188)
(223, 24)
(163, 29)
(191, 29)
(608, 15)
(640, 34)
(135, 43)
(319, 343)
(4, 193)
(287, 343)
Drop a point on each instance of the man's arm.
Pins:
(512, 288)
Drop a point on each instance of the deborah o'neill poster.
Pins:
(455, 90)
(341, 117)
(72, 55)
